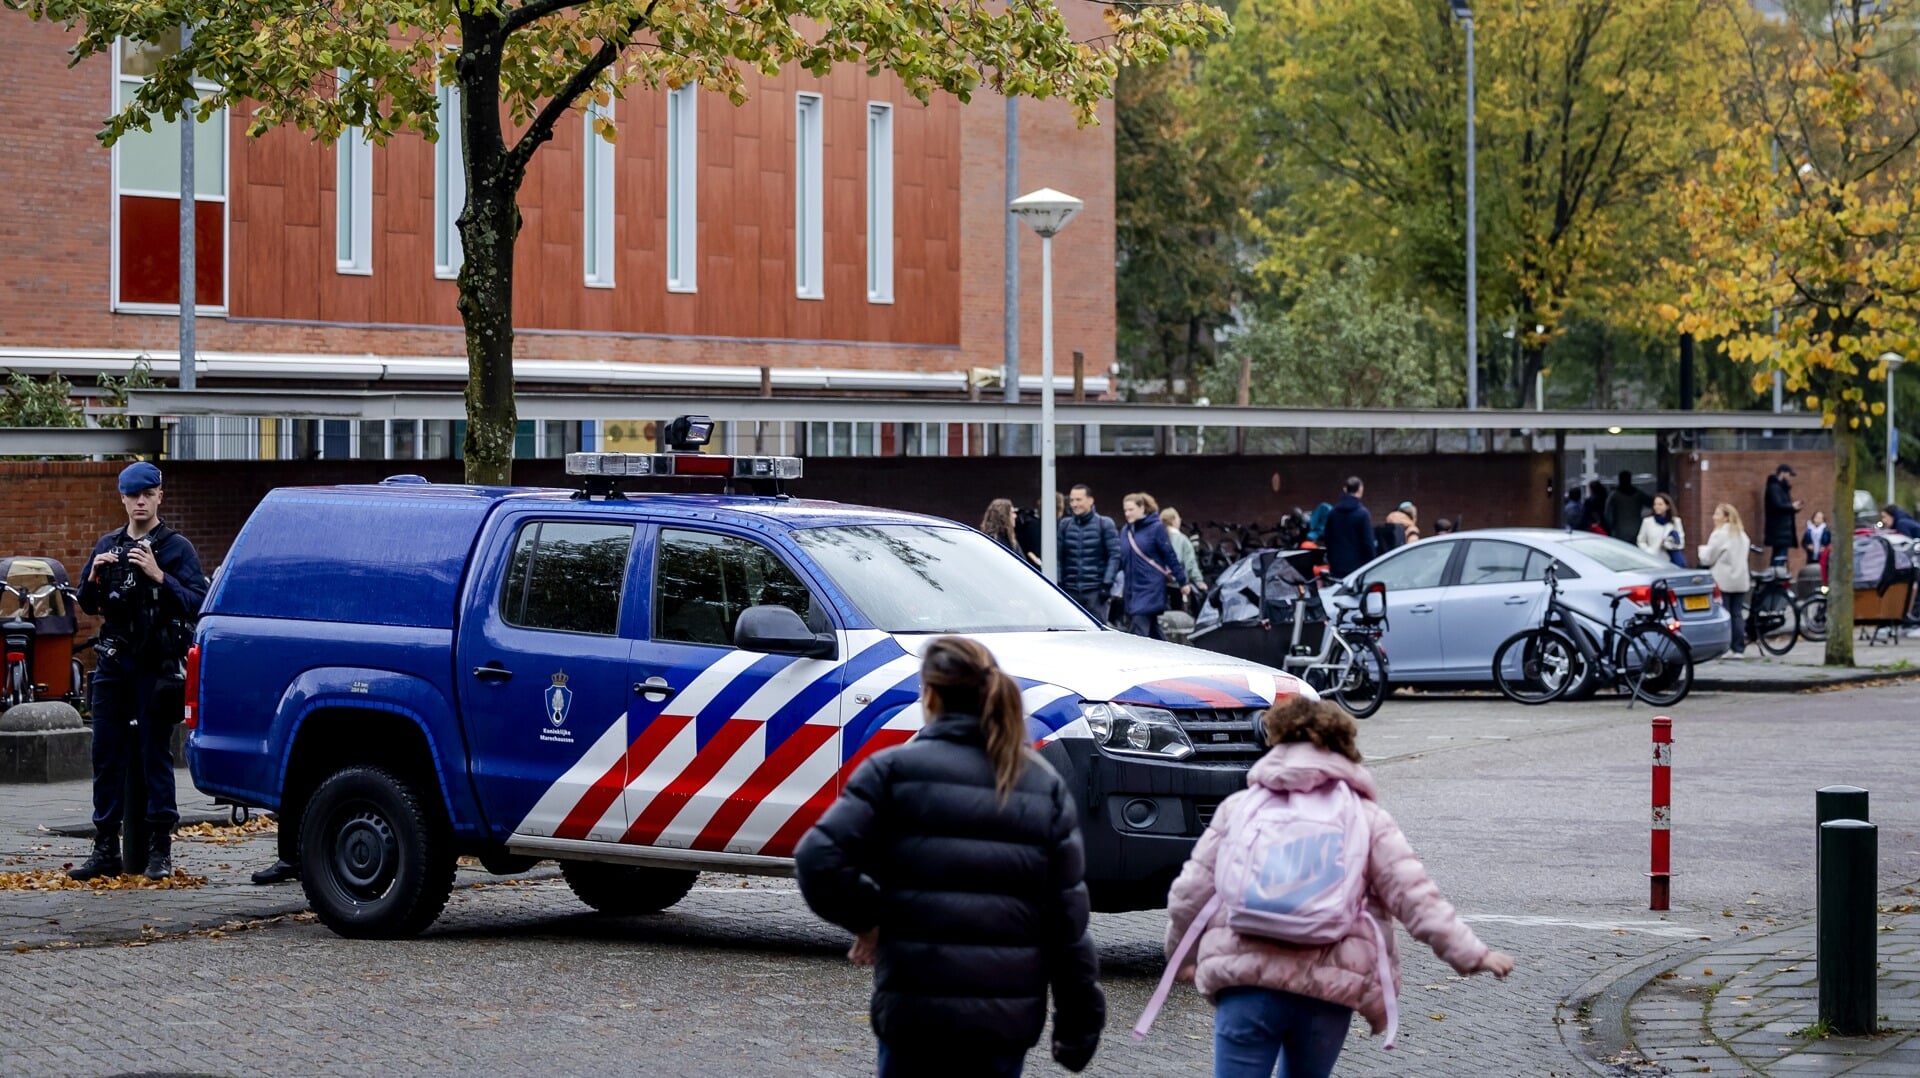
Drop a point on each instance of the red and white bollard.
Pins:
(1662, 811)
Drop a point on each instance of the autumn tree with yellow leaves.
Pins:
(1810, 207)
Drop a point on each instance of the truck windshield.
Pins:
(910, 578)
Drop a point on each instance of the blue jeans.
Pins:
(1256, 1030)
(943, 1063)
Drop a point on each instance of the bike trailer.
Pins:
(47, 608)
(1257, 604)
(1883, 579)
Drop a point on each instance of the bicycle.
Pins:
(1773, 618)
(1812, 612)
(17, 629)
(1350, 663)
(1645, 657)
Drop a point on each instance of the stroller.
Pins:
(1884, 581)
(37, 619)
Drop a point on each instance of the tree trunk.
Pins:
(489, 225)
(1243, 393)
(1840, 560)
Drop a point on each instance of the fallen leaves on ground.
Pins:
(49, 879)
(223, 834)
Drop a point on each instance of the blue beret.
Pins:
(137, 477)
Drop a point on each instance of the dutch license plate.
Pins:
(1697, 602)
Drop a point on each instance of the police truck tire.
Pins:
(623, 890)
(376, 858)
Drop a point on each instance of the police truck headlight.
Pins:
(1136, 730)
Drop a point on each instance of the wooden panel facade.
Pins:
(283, 208)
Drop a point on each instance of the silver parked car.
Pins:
(1452, 599)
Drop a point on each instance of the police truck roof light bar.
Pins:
(602, 471)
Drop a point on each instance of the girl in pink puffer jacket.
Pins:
(1276, 1003)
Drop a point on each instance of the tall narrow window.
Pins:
(808, 207)
(683, 130)
(353, 196)
(146, 206)
(879, 203)
(597, 164)
(449, 186)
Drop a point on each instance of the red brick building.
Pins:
(828, 225)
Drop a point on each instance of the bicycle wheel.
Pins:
(1364, 686)
(1535, 666)
(1656, 664)
(1813, 618)
(1774, 621)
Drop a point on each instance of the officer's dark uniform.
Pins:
(142, 655)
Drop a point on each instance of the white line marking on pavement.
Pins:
(1650, 928)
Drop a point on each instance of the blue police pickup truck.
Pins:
(646, 686)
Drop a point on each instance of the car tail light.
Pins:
(16, 656)
(192, 709)
(1718, 597)
(1639, 594)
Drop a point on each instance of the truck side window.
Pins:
(703, 581)
(566, 576)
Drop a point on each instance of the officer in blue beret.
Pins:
(145, 580)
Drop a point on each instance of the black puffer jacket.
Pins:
(981, 907)
(1089, 552)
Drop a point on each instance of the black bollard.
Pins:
(1846, 942)
(1835, 803)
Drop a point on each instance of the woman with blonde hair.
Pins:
(956, 862)
(1725, 554)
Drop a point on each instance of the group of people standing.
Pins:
(957, 863)
(1148, 564)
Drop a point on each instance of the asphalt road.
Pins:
(1533, 821)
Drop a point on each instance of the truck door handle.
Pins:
(654, 686)
(492, 672)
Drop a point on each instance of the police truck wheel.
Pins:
(623, 890)
(376, 859)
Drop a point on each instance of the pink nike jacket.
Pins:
(1344, 972)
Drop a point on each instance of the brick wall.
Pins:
(1705, 479)
(60, 509)
(54, 283)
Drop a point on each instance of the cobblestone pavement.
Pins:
(1533, 820)
(1752, 1008)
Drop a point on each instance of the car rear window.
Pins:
(1616, 555)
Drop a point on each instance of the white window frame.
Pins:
(353, 201)
(449, 196)
(219, 121)
(879, 202)
(809, 199)
(683, 215)
(596, 217)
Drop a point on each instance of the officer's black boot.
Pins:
(160, 853)
(106, 857)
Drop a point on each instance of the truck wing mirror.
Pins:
(776, 630)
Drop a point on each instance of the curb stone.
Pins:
(1604, 1038)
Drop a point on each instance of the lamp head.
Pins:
(1046, 211)
(1460, 10)
(1892, 359)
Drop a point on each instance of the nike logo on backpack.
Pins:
(1296, 872)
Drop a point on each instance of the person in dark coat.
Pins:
(1779, 531)
(1593, 515)
(1895, 519)
(1625, 506)
(956, 861)
(145, 580)
(1150, 565)
(1349, 532)
(1089, 546)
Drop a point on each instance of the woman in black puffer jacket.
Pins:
(956, 861)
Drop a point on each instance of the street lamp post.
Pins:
(1892, 360)
(1046, 211)
(1464, 14)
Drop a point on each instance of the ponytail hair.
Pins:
(959, 676)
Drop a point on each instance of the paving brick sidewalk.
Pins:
(1750, 1007)
(1803, 668)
